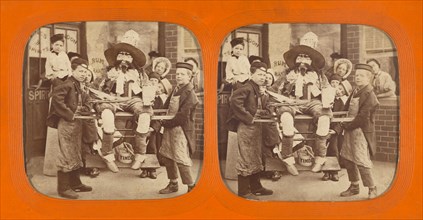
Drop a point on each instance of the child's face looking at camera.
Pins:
(57, 46)
(161, 68)
(154, 81)
(340, 91)
(334, 83)
(237, 50)
(160, 89)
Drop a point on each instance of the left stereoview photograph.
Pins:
(113, 110)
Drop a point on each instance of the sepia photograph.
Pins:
(308, 112)
(113, 110)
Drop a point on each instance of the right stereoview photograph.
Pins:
(308, 112)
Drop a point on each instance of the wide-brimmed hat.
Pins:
(307, 44)
(341, 61)
(165, 60)
(128, 44)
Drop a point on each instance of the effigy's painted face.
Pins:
(124, 56)
(303, 58)
(303, 63)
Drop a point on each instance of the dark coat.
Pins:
(188, 102)
(243, 105)
(365, 118)
(64, 102)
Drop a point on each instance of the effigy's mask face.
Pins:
(303, 63)
(124, 56)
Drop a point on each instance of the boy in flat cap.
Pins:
(178, 142)
(238, 65)
(68, 99)
(246, 102)
(359, 136)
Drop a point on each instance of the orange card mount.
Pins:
(210, 22)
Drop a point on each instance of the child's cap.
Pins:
(254, 58)
(347, 86)
(80, 62)
(336, 55)
(184, 65)
(335, 77)
(259, 65)
(236, 41)
(153, 54)
(57, 37)
(154, 75)
(73, 55)
(361, 66)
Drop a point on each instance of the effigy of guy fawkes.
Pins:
(125, 88)
(306, 91)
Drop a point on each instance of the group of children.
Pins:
(241, 72)
(72, 79)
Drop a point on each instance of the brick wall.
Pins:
(171, 52)
(353, 43)
(387, 130)
(387, 116)
(199, 127)
(171, 48)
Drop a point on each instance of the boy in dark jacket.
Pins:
(359, 135)
(68, 99)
